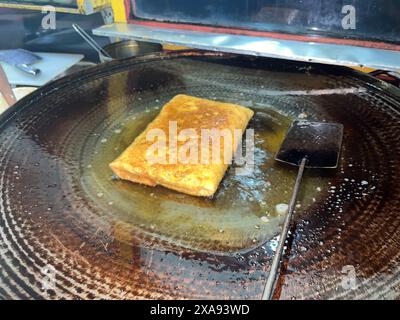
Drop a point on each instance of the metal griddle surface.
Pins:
(59, 206)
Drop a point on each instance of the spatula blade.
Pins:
(318, 142)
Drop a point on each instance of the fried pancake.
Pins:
(201, 174)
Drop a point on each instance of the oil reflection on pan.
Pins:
(68, 230)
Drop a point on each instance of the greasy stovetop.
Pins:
(69, 229)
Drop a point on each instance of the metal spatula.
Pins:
(307, 145)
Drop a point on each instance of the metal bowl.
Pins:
(128, 49)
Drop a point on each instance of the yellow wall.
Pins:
(118, 7)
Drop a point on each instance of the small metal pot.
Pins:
(129, 48)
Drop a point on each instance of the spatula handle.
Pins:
(274, 272)
(28, 69)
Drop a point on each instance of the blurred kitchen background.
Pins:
(21, 28)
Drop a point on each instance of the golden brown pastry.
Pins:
(182, 160)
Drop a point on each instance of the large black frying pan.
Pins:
(68, 229)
